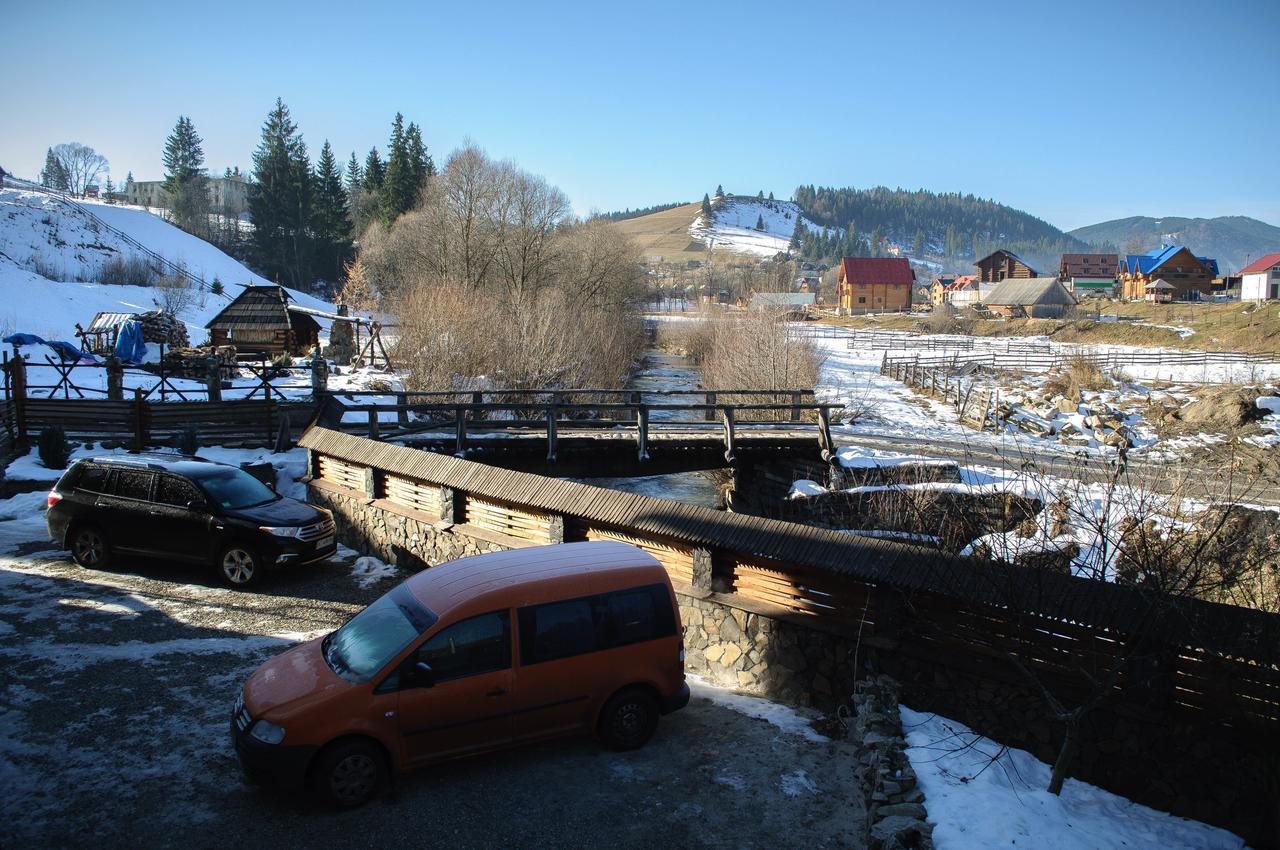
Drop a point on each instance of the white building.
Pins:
(1260, 281)
(226, 194)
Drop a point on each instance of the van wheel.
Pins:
(348, 773)
(89, 547)
(629, 719)
(239, 566)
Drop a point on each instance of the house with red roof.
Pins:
(874, 284)
(1260, 280)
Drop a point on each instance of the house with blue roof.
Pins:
(1190, 276)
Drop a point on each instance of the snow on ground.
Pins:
(789, 719)
(734, 228)
(981, 797)
(49, 246)
(368, 571)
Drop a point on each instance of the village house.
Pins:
(796, 304)
(1089, 274)
(261, 320)
(1260, 280)
(967, 291)
(1190, 276)
(938, 288)
(874, 284)
(1002, 265)
(1032, 298)
(229, 192)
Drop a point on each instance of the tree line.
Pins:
(623, 215)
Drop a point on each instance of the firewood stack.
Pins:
(159, 326)
(192, 362)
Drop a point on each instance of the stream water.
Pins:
(665, 371)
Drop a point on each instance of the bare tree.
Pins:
(175, 294)
(82, 164)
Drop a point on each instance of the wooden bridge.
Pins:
(626, 432)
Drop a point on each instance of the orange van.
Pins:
(472, 655)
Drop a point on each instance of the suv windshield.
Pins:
(234, 489)
(370, 639)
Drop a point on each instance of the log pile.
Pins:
(191, 362)
(159, 326)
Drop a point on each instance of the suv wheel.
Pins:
(348, 774)
(629, 719)
(89, 547)
(238, 566)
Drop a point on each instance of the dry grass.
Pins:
(755, 351)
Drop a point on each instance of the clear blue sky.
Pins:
(1076, 112)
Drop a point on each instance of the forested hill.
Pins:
(947, 228)
(1234, 241)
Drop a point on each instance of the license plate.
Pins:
(324, 542)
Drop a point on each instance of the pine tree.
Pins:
(54, 174)
(355, 176)
(707, 214)
(797, 234)
(128, 182)
(760, 222)
(719, 191)
(771, 196)
(917, 250)
(110, 192)
(419, 160)
(374, 171)
(760, 195)
(330, 221)
(280, 202)
(184, 177)
(399, 190)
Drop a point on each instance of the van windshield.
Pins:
(234, 489)
(370, 639)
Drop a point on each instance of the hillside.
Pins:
(947, 228)
(734, 226)
(666, 234)
(52, 256)
(1232, 240)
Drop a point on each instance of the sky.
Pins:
(1076, 113)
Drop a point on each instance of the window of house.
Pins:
(862, 300)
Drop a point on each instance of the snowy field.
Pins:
(734, 228)
(982, 797)
(40, 233)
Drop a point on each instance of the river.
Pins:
(665, 371)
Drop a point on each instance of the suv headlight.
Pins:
(267, 732)
(287, 531)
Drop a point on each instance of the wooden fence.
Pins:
(1032, 359)
(1217, 664)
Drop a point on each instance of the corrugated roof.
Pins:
(1023, 292)
(106, 321)
(1153, 260)
(261, 307)
(1262, 264)
(1159, 284)
(878, 270)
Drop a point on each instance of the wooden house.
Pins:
(1003, 265)
(874, 284)
(260, 320)
(967, 291)
(1034, 298)
(938, 288)
(1190, 276)
(1089, 274)
(1260, 281)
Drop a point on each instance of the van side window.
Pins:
(589, 623)
(476, 645)
(172, 490)
(133, 485)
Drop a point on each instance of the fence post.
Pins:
(270, 427)
(634, 414)
(213, 378)
(551, 436)
(711, 413)
(642, 432)
(115, 378)
(18, 392)
(729, 449)
(795, 405)
(139, 423)
(702, 569)
(461, 447)
(373, 423)
(319, 377)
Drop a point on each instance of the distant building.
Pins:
(938, 288)
(1260, 281)
(967, 291)
(225, 193)
(1002, 265)
(787, 302)
(1190, 276)
(261, 319)
(874, 284)
(1034, 298)
(1089, 274)
(1158, 292)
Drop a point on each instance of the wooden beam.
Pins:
(551, 433)
(642, 432)
(729, 448)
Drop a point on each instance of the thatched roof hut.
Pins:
(260, 320)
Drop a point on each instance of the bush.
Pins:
(189, 440)
(53, 447)
(758, 352)
(127, 271)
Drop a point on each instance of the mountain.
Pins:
(1233, 240)
(952, 229)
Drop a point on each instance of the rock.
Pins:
(1066, 405)
(729, 630)
(907, 832)
(731, 654)
(914, 811)
(714, 652)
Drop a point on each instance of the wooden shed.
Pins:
(1003, 265)
(259, 320)
(1036, 298)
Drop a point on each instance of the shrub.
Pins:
(216, 287)
(189, 440)
(53, 447)
(127, 271)
(757, 351)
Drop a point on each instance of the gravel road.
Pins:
(116, 688)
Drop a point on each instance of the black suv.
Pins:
(185, 508)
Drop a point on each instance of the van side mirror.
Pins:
(419, 675)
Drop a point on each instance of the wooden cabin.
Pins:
(874, 284)
(1089, 274)
(1190, 276)
(1035, 298)
(1003, 265)
(260, 320)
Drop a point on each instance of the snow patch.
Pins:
(368, 571)
(792, 721)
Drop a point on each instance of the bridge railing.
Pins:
(390, 421)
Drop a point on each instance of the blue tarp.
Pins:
(66, 350)
(24, 339)
(130, 346)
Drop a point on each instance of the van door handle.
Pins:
(496, 692)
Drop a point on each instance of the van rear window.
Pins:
(591, 623)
